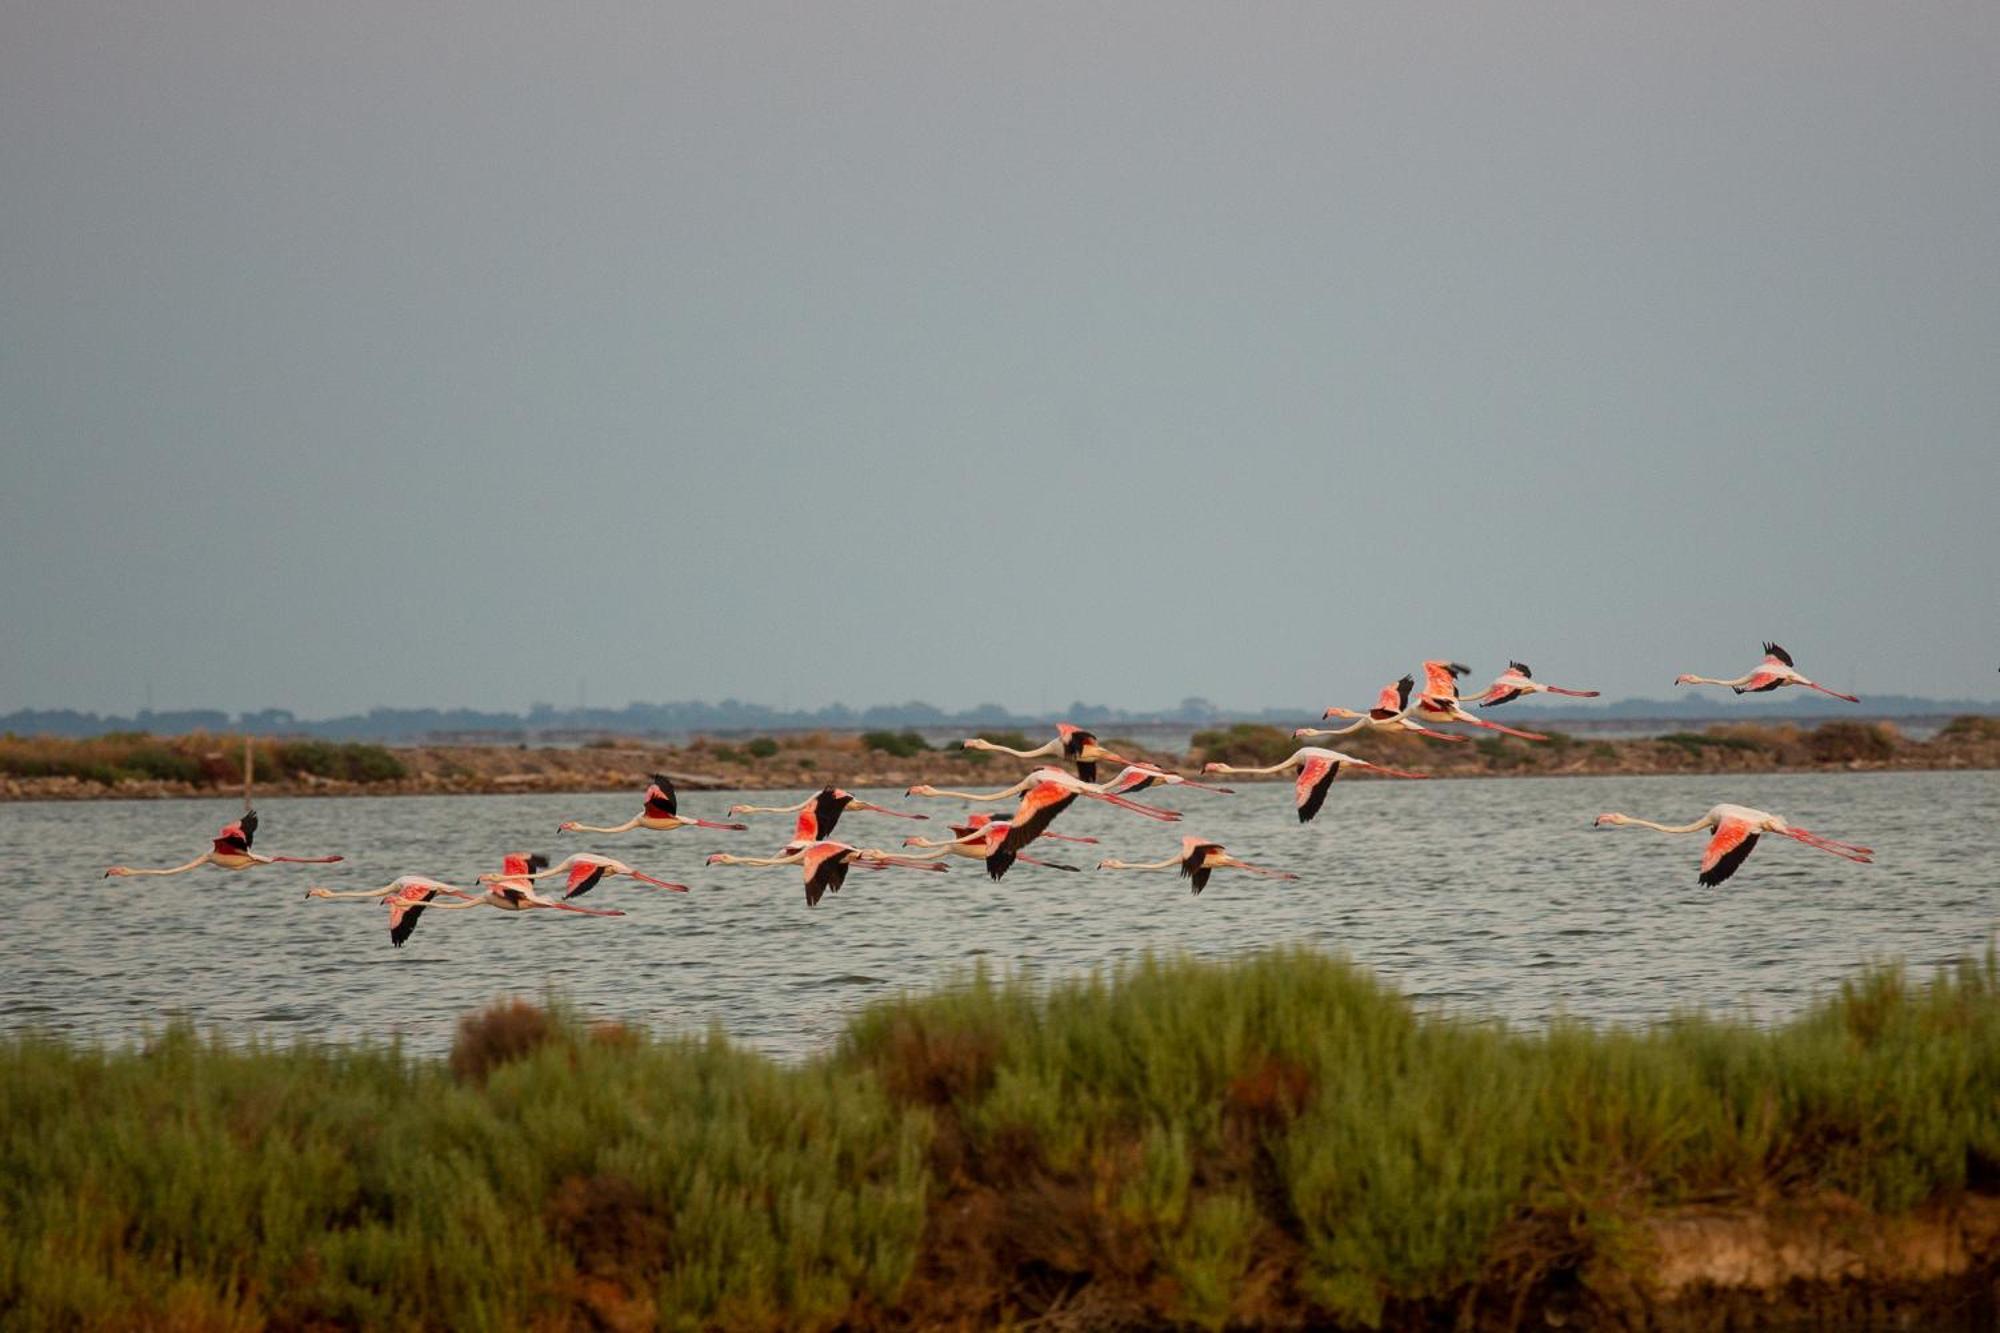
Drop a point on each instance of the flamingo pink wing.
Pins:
(1733, 842)
(1314, 774)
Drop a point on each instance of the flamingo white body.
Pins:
(585, 871)
(405, 896)
(1737, 828)
(661, 812)
(824, 864)
(1317, 768)
(1517, 680)
(1773, 673)
(1438, 702)
(1072, 742)
(230, 851)
(1198, 860)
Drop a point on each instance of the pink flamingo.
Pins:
(1736, 831)
(585, 871)
(513, 890)
(1045, 793)
(406, 898)
(984, 838)
(1439, 701)
(662, 812)
(1774, 672)
(1140, 776)
(1390, 713)
(825, 864)
(820, 812)
(1198, 860)
(1059, 777)
(231, 851)
(1072, 742)
(1516, 681)
(1317, 768)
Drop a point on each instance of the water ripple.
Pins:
(1483, 899)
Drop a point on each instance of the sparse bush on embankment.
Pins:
(1274, 1140)
(197, 761)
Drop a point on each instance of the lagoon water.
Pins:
(1489, 898)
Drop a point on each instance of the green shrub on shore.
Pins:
(196, 1184)
(1275, 1139)
(343, 761)
(901, 744)
(1245, 744)
(1971, 727)
(1846, 742)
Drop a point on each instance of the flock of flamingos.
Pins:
(1043, 794)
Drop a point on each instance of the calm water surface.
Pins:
(1491, 897)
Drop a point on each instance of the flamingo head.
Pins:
(567, 826)
(975, 743)
(921, 789)
(1211, 768)
(318, 892)
(117, 872)
(1683, 680)
(1608, 818)
(1338, 712)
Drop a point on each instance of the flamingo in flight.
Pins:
(231, 851)
(972, 824)
(1072, 742)
(1737, 828)
(1317, 768)
(406, 898)
(1140, 776)
(1045, 793)
(662, 812)
(1439, 700)
(1046, 774)
(825, 864)
(1390, 713)
(1774, 672)
(983, 838)
(820, 812)
(1198, 860)
(1516, 681)
(513, 890)
(585, 871)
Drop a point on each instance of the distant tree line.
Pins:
(546, 721)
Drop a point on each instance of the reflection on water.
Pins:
(1491, 897)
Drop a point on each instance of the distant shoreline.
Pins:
(206, 766)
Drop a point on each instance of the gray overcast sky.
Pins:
(447, 353)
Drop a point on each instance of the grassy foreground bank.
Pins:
(1274, 1140)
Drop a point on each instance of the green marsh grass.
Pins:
(1278, 1138)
